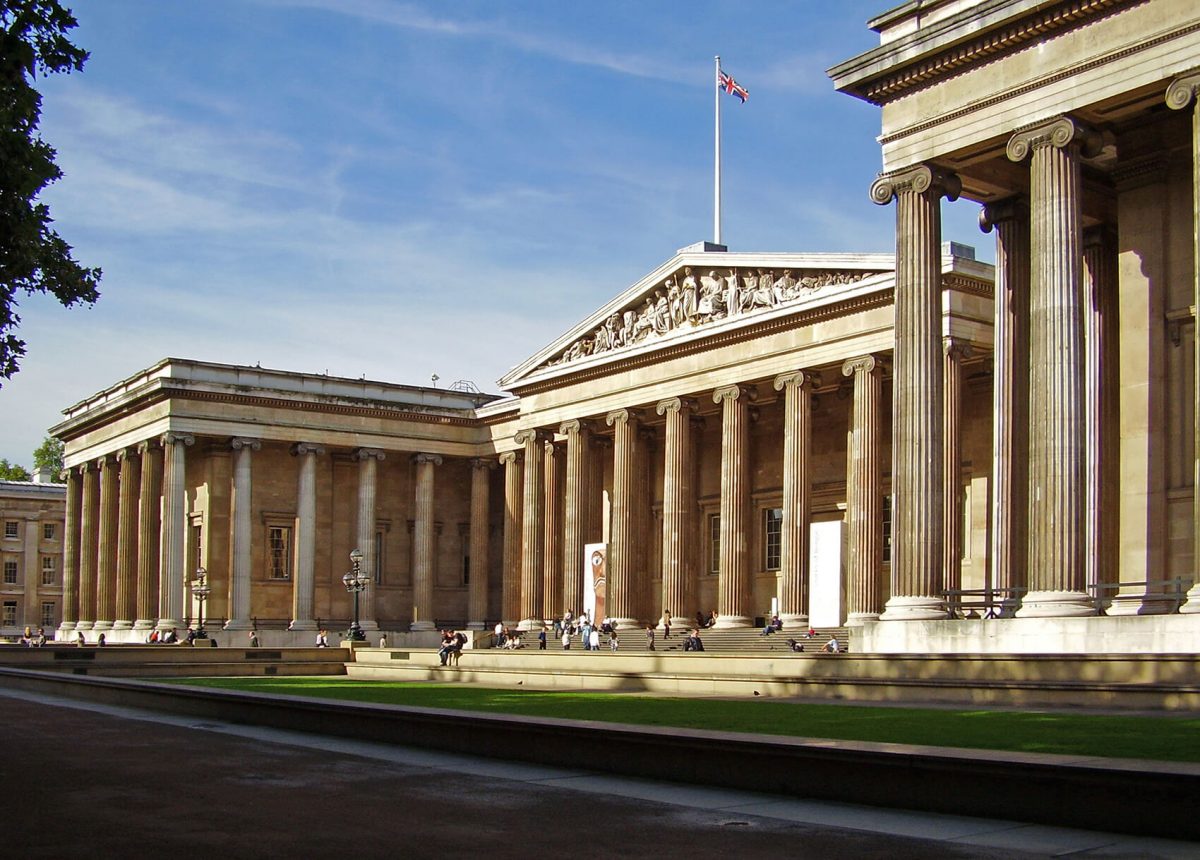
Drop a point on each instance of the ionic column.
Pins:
(797, 388)
(733, 583)
(106, 560)
(532, 536)
(576, 512)
(917, 480)
(477, 590)
(864, 493)
(424, 562)
(70, 607)
(306, 538)
(1182, 92)
(552, 549)
(243, 533)
(127, 541)
(1057, 487)
(149, 533)
(89, 544)
(368, 468)
(1010, 397)
(621, 597)
(510, 598)
(679, 505)
(173, 528)
(952, 551)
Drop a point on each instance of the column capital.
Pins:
(1060, 133)
(482, 463)
(532, 435)
(307, 448)
(368, 454)
(798, 378)
(105, 460)
(676, 404)
(919, 179)
(171, 437)
(862, 364)
(956, 348)
(622, 416)
(1182, 91)
(237, 443)
(1003, 211)
(508, 457)
(734, 392)
(147, 445)
(575, 425)
(124, 454)
(84, 467)
(419, 459)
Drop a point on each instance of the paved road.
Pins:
(119, 783)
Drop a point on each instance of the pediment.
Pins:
(695, 293)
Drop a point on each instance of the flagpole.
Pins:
(717, 155)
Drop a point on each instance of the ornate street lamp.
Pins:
(356, 582)
(200, 591)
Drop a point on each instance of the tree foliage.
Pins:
(12, 472)
(49, 455)
(33, 257)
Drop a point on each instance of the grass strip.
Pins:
(1163, 738)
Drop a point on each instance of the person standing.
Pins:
(666, 623)
(650, 637)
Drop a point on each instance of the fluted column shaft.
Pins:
(576, 512)
(1057, 488)
(106, 560)
(368, 480)
(510, 602)
(173, 528)
(424, 561)
(552, 550)
(127, 540)
(679, 505)
(1182, 92)
(733, 582)
(149, 533)
(1010, 398)
(917, 381)
(794, 571)
(477, 589)
(243, 524)
(620, 597)
(89, 541)
(864, 493)
(952, 550)
(532, 536)
(306, 539)
(70, 586)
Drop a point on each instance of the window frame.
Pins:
(772, 539)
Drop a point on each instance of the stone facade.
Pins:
(34, 543)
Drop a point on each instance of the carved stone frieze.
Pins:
(689, 299)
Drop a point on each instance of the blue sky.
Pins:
(396, 190)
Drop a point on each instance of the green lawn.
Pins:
(1166, 738)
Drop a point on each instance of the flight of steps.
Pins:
(743, 640)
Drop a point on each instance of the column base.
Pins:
(303, 624)
(475, 625)
(789, 620)
(1143, 604)
(623, 623)
(1056, 604)
(239, 624)
(168, 624)
(1191, 606)
(84, 625)
(858, 619)
(529, 624)
(421, 626)
(122, 625)
(730, 622)
(914, 609)
(144, 624)
(102, 626)
(65, 631)
(368, 625)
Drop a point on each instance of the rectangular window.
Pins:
(279, 552)
(9, 616)
(379, 542)
(197, 546)
(48, 531)
(11, 529)
(714, 543)
(10, 573)
(48, 614)
(887, 529)
(772, 538)
(48, 570)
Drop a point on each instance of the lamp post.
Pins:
(356, 582)
(200, 591)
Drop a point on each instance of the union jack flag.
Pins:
(727, 83)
